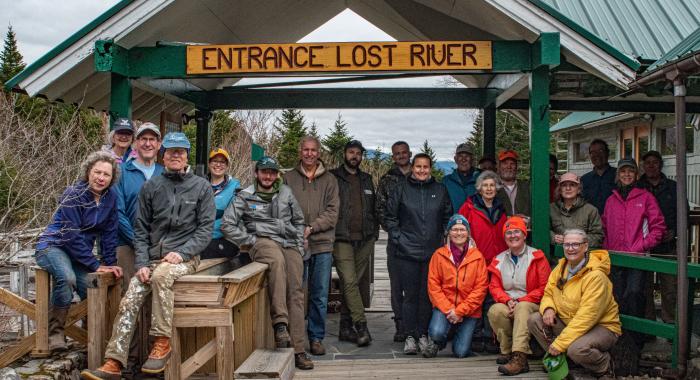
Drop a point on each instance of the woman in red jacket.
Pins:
(518, 278)
(457, 284)
(486, 216)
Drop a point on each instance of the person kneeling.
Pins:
(578, 310)
(518, 278)
(457, 285)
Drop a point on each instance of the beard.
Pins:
(354, 164)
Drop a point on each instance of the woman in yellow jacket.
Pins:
(578, 314)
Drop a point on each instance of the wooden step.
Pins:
(268, 364)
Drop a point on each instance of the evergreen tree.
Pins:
(476, 137)
(313, 131)
(10, 58)
(335, 141)
(435, 172)
(290, 129)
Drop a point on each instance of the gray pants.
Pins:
(590, 350)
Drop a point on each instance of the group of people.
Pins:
(458, 256)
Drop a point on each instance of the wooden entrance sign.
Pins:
(340, 57)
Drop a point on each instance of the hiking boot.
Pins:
(409, 347)
(478, 344)
(303, 361)
(316, 348)
(346, 332)
(111, 370)
(430, 350)
(517, 364)
(422, 343)
(503, 358)
(282, 337)
(399, 335)
(158, 358)
(609, 374)
(57, 322)
(363, 337)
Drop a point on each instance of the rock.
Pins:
(31, 367)
(8, 373)
(40, 377)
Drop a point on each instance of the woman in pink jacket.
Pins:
(632, 222)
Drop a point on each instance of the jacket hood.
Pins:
(598, 259)
(178, 176)
(578, 203)
(320, 170)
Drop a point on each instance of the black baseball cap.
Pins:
(354, 144)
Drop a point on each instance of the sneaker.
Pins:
(303, 361)
(430, 350)
(409, 347)
(111, 370)
(160, 353)
(316, 348)
(422, 343)
(282, 337)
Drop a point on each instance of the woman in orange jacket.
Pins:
(457, 285)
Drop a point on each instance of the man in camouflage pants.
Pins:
(173, 224)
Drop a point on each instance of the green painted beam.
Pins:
(166, 61)
(603, 106)
(366, 98)
(511, 56)
(119, 98)
(111, 58)
(546, 50)
(539, 157)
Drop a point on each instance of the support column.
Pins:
(119, 98)
(539, 157)
(202, 118)
(489, 143)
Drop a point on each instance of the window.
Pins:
(581, 152)
(667, 140)
(627, 148)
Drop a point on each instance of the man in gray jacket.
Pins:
(267, 218)
(174, 223)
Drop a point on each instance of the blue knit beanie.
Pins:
(458, 219)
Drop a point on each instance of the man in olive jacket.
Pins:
(174, 223)
(316, 189)
(355, 234)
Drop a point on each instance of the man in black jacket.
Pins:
(355, 234)
(174, 223)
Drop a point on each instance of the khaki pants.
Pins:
(284, 278)
(163, 276)
(352, 263)
(590, 350)
(512, 333)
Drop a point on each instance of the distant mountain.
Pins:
(371, 153)
(447, 167)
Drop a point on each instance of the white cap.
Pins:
(148, 127)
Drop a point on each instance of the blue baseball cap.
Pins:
(176, 140)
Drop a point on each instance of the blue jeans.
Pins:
(318, 269)
(462, 340)
(67, 275)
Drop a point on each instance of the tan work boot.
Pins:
(503, 358)
(111, 370)
(303, 361)
(57, 322)
(517, 364)
(158, 358)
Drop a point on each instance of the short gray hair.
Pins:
(310, 138)
(576, 231)
(488, 174)
(95, 157)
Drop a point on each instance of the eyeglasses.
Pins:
(514, 233)
(459, 230)
(573, 245)
(215, 162)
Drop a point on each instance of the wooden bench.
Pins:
(268, 364)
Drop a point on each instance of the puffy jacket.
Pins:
(487, 235)
(319, 201)
(462, 289)
(635, 224)
(666, 195)
(522, 199)
(127, 190)
(370, 220)
(536, 279)
(582, 215)
(386, 187)
(78, 222)
(249, 217)
(176, 213)
(221, 201)
(416, 216)
(460, 187)
(584, 301)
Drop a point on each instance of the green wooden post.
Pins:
(489, 123)
(539, 157)
(119, 98)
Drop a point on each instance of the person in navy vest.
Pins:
(86, 218)
(225, 188)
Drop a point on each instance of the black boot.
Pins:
(399, 335)
(363, 337)
(347, 332)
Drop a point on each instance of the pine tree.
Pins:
(313, 130)
(290, 129)
(476, 137)
(10, 58)
(435, 172)
(335, 141)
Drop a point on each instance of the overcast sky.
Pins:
(41, 24)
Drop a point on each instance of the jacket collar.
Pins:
(469, 256)
(320, 170)
(578, 203)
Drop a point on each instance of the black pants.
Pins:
(394, 281)
(628, 290)
(416, 309)
(219, 248)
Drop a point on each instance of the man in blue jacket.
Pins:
(461, 183)
(135, 173)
